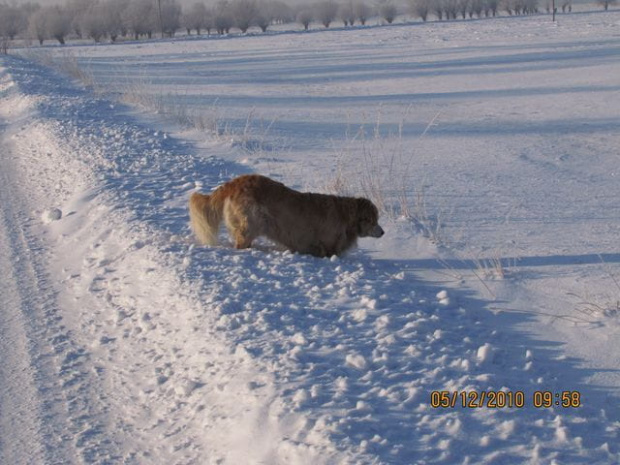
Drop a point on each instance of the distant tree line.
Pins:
(454, 9)
(135, 19)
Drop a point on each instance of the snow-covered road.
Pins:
(52, 409)
(20, 402)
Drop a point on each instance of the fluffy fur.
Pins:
(253, 206)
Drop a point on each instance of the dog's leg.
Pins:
(237, 224)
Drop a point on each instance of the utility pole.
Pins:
(554, 9)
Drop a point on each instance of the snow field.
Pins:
(165, 352)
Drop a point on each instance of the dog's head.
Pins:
(368, 219)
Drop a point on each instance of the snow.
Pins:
(125, 342)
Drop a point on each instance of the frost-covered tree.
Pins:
(13, 20)
(305, 17)
(493, 6)
(280, 12)
(37, 25)
(140, 17)
(76, 11)
(113, 11)
(58, 23)
(326, 12)
(362, 12)
(197, 17)
(522, 7)
(420, 9)
(170, 17)
(448, 8)
(223, 20)
(476, 7)
(92, 22)
(388, 10)
(437, 9)
(244, 13)
(347, 13)
(463, 8)
(29, 8)
(102, 19)
(352, 11)
(262, 20)
(265, 14)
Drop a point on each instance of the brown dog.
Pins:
(253, 206)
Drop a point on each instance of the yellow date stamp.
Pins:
(505, 399)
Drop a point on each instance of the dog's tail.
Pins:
(205, 213)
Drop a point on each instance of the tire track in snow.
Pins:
(20, 422)
(60, 409)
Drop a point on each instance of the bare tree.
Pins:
(326, 12)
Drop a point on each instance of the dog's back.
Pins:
(317, 224)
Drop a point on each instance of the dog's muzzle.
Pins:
(377, 231)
